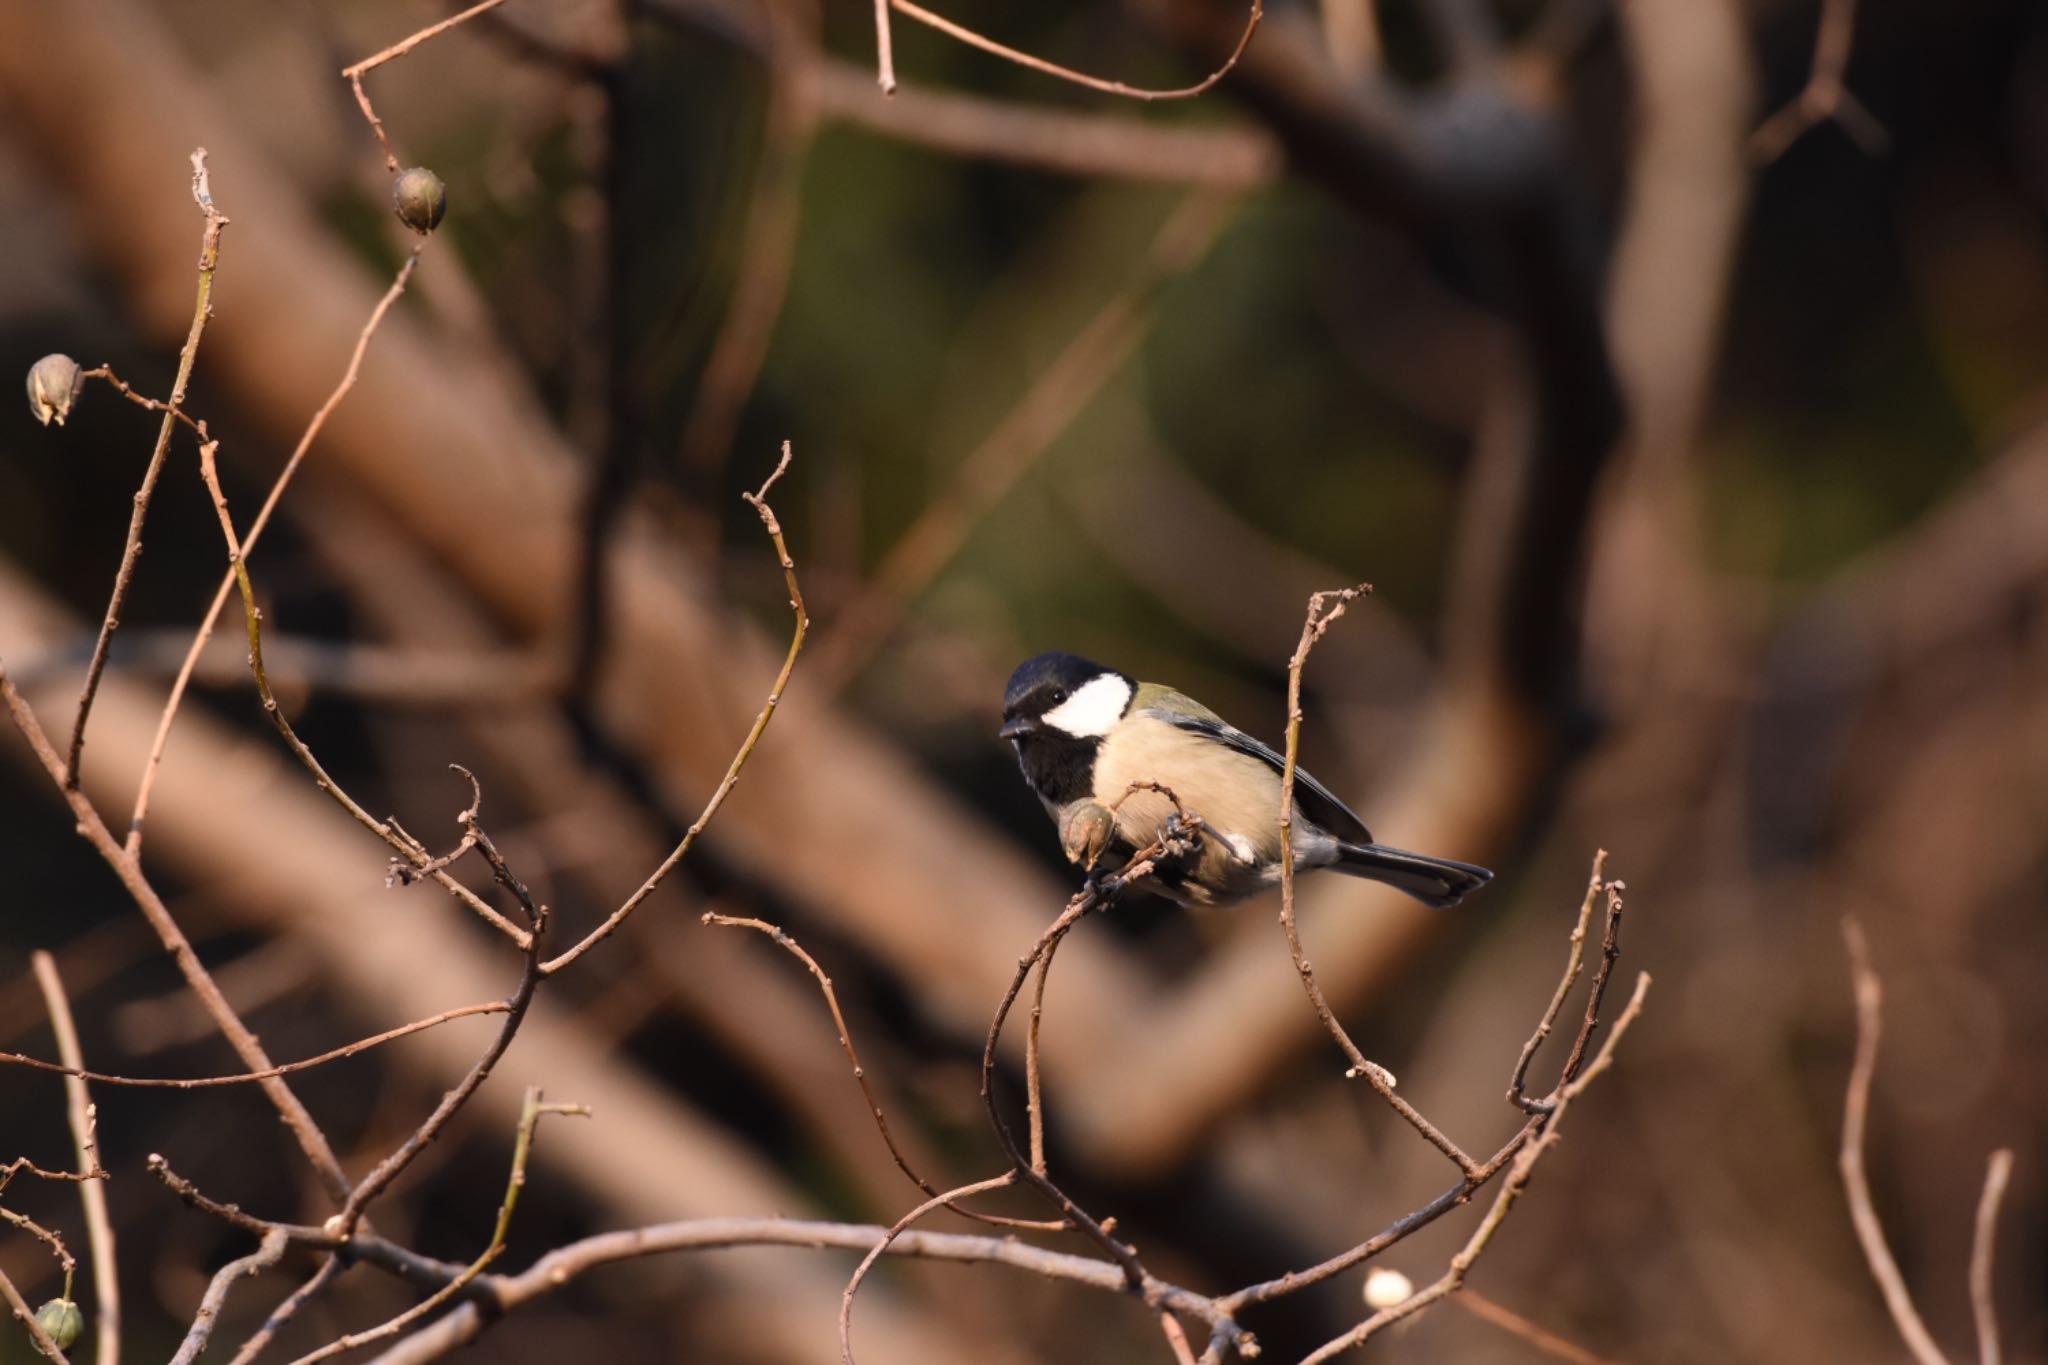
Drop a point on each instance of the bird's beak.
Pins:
(1017, 727)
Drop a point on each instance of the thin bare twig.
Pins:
(1824, 96)
(68, 1069)
(256, 527)
(48, 1237)
(354, 74)
(267, 1254)
(409, 849)
(885, 49)
(759, 501)
(782, 938)
(21, 1165)
(1574, 959)
(1997, 1174)
(92, 1193)
(1034, 1099)
(1324, 609)
(330, 1269)
(1094, 897)
(202, 309)
(1855, 1117)
(1062, 141)
(944, 1199)
(1043, 67)
(1513, 1323)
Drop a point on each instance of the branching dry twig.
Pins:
(330, 1269)
(1518, 1082)
(1116, 1273)
(354, 74)
(945, 1199)
(392, 1166)
(782, 939)
(1324, 609)
(267, 1254)
(409, 849)
(202, 309)
(1824, 96)
(1511, 1189)
(128, 869)
(256, 527)
(530, 1114)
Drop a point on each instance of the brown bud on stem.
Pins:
(420, 198)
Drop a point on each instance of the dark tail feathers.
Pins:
(1436, 882)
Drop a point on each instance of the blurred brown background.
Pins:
(1705, 496)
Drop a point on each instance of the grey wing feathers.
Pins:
(1316, 801)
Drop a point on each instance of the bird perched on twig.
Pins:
(1096, 745)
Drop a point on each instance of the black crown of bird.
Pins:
(1094, 743)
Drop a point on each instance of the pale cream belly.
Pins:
(1235, 795)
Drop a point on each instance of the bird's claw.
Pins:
(1179, 834)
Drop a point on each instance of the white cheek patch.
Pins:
(1094, 709)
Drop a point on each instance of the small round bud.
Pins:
(61, 1321)
(53, 385)
(420, 198)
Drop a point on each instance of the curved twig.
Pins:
(945, 1199)
(759, 501)
(1039, 64)
(1898, 1299)
(246, 1077)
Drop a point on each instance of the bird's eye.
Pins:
(1059, 694)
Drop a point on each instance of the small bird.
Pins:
(1085, 733)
